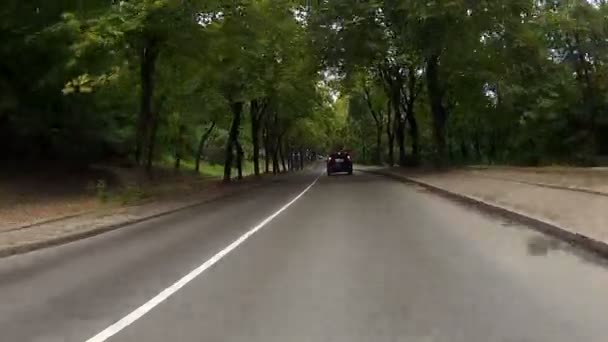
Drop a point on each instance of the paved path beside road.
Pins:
(592, 180)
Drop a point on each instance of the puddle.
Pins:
(542, 246)
(538, 244)
(510, 224)
(420, 189)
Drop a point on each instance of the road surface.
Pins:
(355, 258)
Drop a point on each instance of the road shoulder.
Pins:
(576, 217)
(56, 232)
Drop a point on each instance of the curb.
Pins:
(589, 244)
(53, 220)
(61, 240)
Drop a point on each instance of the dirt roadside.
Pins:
(41, 212)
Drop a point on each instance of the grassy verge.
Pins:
(210, 170)
(168, 182)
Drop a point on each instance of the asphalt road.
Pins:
(356, 258)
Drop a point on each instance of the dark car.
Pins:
(339, 162)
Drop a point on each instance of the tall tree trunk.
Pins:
(378, 156)
(437, 107)
(590, 98)
(239, 159)
(414, 134)
(378, 119)
(400, 136)
(390, 135)
(267, 159)
(152, 142)
(155, 118)
(275, 140)
(391, 151)
(266, 150)
(233, 136)
(179, 146)
(255, 114)
(399, 121)
(275, 160)
(148, 58)
(301, 160)
(477, 144)
(364, 151)
(492, 152)
(178, 162)
(450, 150)
(464, 151)
(411, 92)
(282, 156)
(201, 146)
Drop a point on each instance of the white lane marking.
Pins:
(166, 293)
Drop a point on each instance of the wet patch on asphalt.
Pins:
(542, 246)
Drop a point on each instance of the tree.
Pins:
(375, 105)
(504, 65)
(516, 81)
(139, 32)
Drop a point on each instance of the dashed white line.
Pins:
(166, 293)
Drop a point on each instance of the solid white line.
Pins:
(166, 293)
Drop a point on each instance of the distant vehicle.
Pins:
(339, 162)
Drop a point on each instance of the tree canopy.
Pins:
(147, 80)
(511, 81)
(232, 82)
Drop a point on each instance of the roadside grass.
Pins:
(206, 169)
(167, 181)
(209, 170)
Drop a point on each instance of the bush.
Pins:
(101, 190)
(132, 194)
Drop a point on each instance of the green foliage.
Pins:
(515, 81)
(101, 190)
(74, 77)
(507, 81)
(131, 194)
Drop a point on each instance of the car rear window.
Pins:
(340, 155)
